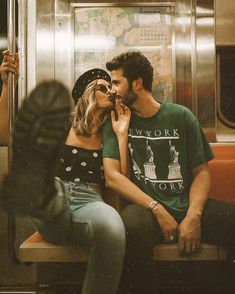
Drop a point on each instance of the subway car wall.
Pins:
(187, 60)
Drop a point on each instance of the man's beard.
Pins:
(129, 98)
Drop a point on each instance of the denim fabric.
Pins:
(90, 222)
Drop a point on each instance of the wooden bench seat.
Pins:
(35, 249)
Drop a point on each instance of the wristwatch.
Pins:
(152, 205)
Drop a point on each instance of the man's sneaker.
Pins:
(40, 129)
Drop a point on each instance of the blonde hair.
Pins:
(85, 118)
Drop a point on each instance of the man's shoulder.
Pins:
(179, 110)
(175, 107)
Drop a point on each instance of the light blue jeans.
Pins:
(88, 221)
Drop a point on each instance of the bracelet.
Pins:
(152, 205)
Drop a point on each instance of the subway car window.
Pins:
(120, 28)
(226, 85)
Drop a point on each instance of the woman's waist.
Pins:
(86, 177)
(75, 189)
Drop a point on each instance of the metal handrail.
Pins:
(11, 28)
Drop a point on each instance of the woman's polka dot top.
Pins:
(77, 164)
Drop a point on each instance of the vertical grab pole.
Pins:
(11, 28)
(11, 81)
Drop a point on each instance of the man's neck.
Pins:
(145, 105)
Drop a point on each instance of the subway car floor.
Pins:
(169, 278)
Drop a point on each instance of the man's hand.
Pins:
(10, 63)
(167, 223)
(189, 235)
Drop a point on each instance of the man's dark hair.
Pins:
(135, 65)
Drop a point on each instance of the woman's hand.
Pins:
(121, 122)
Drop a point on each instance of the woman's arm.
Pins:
(120, 125)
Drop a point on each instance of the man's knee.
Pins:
(136, 218)
(142, 229)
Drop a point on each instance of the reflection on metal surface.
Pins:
(225, 22)
(195, 60)
(205, 67)
(44, 40)
(64, 38)
(183, 52)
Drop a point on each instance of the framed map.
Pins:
(101, 32)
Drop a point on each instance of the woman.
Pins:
(96, 225)
(86, 219)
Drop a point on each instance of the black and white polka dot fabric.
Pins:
(80, 165)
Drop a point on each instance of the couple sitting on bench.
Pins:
(155, 156)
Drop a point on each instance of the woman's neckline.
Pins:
(83, 148)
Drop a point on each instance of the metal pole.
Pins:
(11, 81)
(11, 27)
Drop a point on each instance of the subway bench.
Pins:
(35, 249)
(222, 170)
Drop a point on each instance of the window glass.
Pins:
(226, 85)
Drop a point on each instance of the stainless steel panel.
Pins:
(183, 52)
(63, 43)
(22, 40)
(195, 60)
(205, 67)
(45, 40)
(225, 22)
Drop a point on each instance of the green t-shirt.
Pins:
(163, 151)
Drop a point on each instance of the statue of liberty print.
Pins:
(135, 166)
(149, 165)
(174, 167)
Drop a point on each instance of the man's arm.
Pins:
(122, 185)
(9, 64)
(190, 228)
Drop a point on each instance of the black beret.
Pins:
(85, 79)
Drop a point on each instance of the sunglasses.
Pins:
(104, 88)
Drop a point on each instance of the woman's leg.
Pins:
(98, 226)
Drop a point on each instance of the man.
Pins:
(169, 172)
(9, 64)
